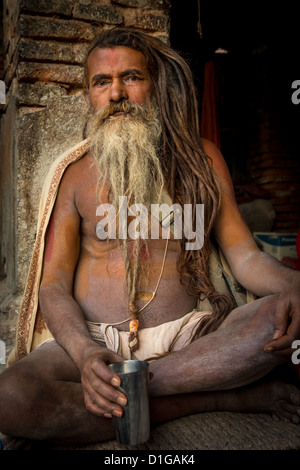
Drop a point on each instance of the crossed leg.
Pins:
(41, 396)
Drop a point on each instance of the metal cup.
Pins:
(133, 427)
(2, 355)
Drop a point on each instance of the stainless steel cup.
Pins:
(133, 427)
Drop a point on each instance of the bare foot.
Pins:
(15, 443)
(287, 398)
(279, 398)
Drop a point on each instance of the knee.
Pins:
(260, 312)
(264, 312)
(7, 393)
(260, 320)
(16, 396)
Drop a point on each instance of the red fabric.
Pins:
(209, 113)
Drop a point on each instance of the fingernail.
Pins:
(115, 382)
(269, 349)
(276, 334)
(121, 401)
(107, 415)
(117, 413)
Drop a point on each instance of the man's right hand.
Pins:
(99, 382)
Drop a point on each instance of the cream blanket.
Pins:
(31, 327)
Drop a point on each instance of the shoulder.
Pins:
(214, 153)
(209, 147)
(77, 173)
(218, 163)
(81, 165)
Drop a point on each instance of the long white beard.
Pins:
(126, 149)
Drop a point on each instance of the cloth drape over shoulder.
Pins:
(31, 327)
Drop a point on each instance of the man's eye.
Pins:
(101, 83)
(132, 78)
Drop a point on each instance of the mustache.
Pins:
(148, 113)
(112, 108)
(126, 107)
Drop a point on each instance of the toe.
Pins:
(295, 397)
(285, 415)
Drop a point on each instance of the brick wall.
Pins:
(45, 41)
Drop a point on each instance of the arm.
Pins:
(257, 271)
(63, 315)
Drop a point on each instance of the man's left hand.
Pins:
(286, 322)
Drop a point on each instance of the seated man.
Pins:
(107, 293)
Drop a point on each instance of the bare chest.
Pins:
(100, 286)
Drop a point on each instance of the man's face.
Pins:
(117, 74)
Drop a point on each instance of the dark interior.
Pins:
(254, 78)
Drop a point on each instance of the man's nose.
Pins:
(118, 91)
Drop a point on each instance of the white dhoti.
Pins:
(153, 342)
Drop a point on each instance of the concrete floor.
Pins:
(214, 431)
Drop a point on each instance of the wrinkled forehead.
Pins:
(115, 59)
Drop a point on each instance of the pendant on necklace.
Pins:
(144, 296)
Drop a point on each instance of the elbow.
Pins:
(45, 292)
(48, 290)
(51, 289)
